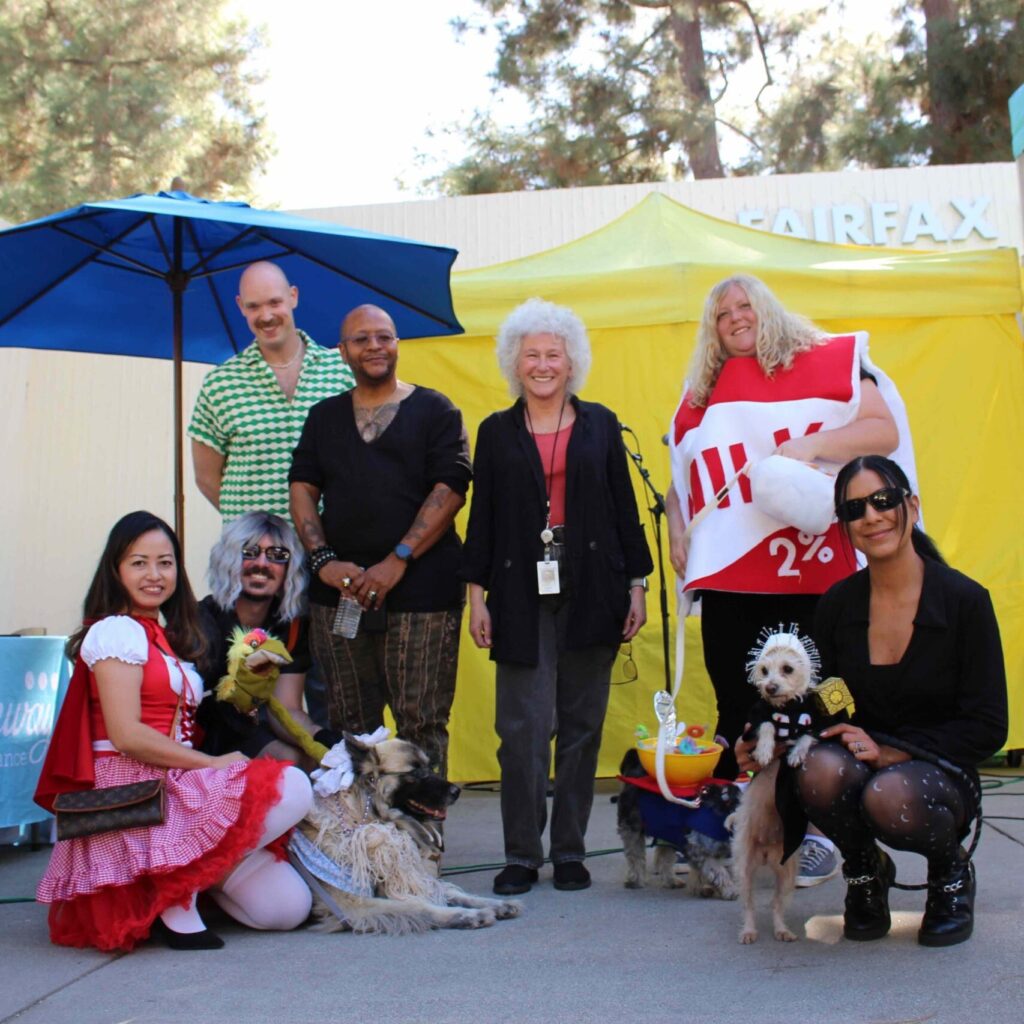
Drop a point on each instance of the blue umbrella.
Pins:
(157, 275)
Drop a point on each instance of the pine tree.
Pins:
(100, 100)
(622, 90)
(634, 90)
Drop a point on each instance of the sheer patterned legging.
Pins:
(912, 806)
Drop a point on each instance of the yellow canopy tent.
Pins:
(942, 325)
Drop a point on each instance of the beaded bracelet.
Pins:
(319, 557)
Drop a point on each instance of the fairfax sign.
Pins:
(880, 223)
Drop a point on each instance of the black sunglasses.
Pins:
(274, 553)
(881, 501)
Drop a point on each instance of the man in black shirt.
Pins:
(258, 580)
(390, 461)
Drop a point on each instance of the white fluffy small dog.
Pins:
(784, 667)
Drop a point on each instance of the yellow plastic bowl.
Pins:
(680, 769)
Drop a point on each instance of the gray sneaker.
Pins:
(817, 863)
(682, 864)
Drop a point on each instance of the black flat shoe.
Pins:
(571, 875)
(514, 880)
(185, 940)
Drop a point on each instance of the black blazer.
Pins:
(947, 695)
(605, 544)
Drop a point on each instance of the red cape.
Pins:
(68, 765)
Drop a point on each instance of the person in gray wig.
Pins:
(257, 580)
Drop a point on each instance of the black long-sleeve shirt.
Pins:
(947, 694)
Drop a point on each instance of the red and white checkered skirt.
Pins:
(106, 890)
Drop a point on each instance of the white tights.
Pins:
(262, 892)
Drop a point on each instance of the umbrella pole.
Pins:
(178, 282)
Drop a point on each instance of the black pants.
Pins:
(564, 695)
(730, 625)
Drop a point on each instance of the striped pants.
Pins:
(410, 667)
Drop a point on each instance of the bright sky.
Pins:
(354, 88)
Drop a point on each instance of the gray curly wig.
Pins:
(535, 316)
(225, 571)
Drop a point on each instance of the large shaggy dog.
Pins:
(372, 848)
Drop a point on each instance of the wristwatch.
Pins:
(639, 581)
(404, 552)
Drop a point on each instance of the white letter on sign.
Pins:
(788, 222)
(972, 218)
(848, 224)
(883, 221)
(921, 220)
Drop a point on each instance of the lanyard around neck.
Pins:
(551, 471)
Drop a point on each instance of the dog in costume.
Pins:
(792, 710)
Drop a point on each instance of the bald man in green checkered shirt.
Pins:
(250, 411)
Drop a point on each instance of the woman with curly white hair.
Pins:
(556, 561)
(762, 381)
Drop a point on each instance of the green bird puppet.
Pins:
(255, 658)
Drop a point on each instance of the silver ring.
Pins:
(372, 595)
(346, 581)
(858, 747)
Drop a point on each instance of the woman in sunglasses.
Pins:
(917, 644)
(257, 581)
(128, 717)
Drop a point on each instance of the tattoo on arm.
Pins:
(438, 496)
(312, 533)
(433, 518)
(303, 500)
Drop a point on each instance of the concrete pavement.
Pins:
(601, 955)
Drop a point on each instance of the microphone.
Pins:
(664, 440)
(625, 429)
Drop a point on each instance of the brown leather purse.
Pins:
(89, 812)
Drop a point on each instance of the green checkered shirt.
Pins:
(243, 414)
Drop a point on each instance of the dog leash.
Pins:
(665, 709)
(665, 702)
(717, 500)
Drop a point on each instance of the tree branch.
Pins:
(739, 131)
(760, 45)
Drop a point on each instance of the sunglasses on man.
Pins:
(881, 501)
(274, 553)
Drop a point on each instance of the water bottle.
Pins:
(346, 618)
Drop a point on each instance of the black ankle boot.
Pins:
(949, 912)
(868, 878)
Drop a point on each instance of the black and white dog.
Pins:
(700, 833)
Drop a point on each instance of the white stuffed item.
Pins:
(793, 492)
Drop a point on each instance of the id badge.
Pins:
(547, 578)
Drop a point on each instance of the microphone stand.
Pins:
(657, 510)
